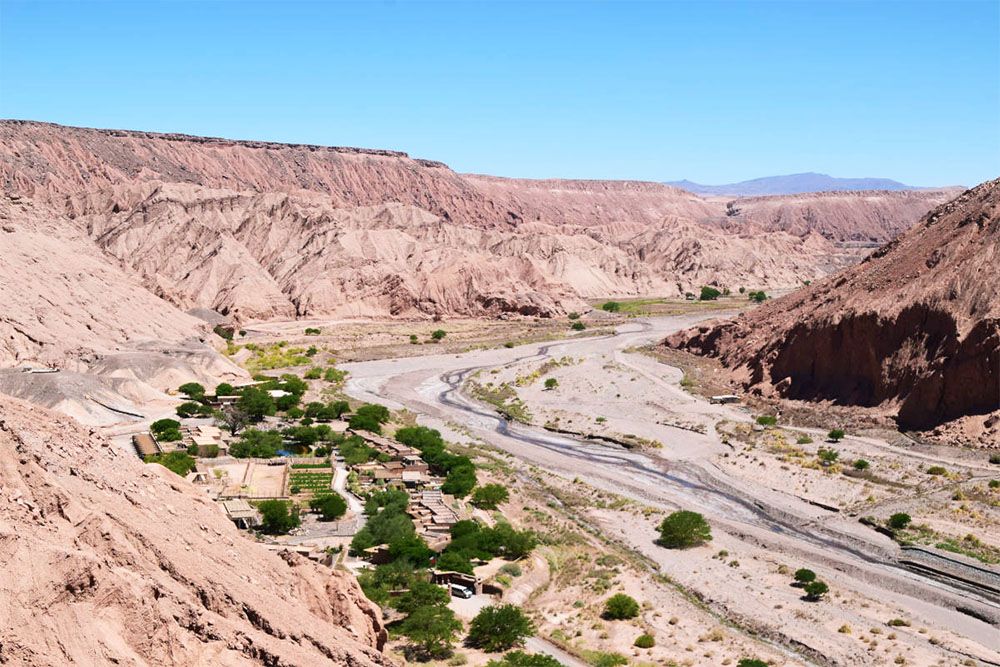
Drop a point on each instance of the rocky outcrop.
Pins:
(261, 230)
(915, 328)
(111, 561)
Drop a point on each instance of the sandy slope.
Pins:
(111, 561)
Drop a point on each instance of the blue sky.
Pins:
(711, 91)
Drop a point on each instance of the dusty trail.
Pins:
(683, 476)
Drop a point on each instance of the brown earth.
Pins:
(915, 328)
(111, 561)
(261, 230)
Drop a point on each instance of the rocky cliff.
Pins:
(915, 328)
(256, 230)
(111, 561)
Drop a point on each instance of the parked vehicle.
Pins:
(460, 591)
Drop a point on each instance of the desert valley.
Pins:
(287, 404)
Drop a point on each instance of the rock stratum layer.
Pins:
(125, 230)
(111, 561)
(915, 328)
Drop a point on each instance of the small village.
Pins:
(298, 459)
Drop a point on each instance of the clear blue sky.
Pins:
(711, 91)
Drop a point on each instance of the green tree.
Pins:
(803, 576)
(180, 463)
(611, 306)
(490, 496)
(578, 326)
(499, 628)
(256, 403)
(836, 434)
(620, 607)
(438, 334)
(256, 444)
(378, 412)
(166, 430)
(751, 662)
(574, 315)
(551, 383)
(460, 480)
(758, 297)
(276, 517)
(362, 422)
(684, 529)
(330, 506)
(861, 464)
(709, 293)
(192, 390)
(432, 629)
(815, 590)
(522, 659)
(899, 521)
(225, 389)
(421, 594)
(192, 409)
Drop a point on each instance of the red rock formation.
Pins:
(111, 561)
(914, 328)
(261, 230)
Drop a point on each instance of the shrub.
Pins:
(438, 334)
(645, 641)
(312, 351)
(414, 340)
(751, 662)
(995, 459)
(611, 306)
(490, 496)
(836, 434)
(709, 293)
(828, 456)
(815, 590)
(578, 326)
(522, 659)
(684, 529)
(804, 576)
(276, 517)
(314, 373)
(499, 628)
(767, 420)
(223, 332)
(899, 623)
(551, 383)
(311, 331)
(861, 464)
(899, 521)
(804, 440)
(512, 569)
(329, 506)
(620, 607)
(335, 375)
(758, 296)
(574, 315)
(937, 470)
(179, 463)
(994, 483)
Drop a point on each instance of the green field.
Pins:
(310, 481)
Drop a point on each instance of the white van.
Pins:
(460, 591)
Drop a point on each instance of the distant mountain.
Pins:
(792, 184)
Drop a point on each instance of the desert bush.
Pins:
(620, 607)
(899, 521)
(937, 470)
(767, 420)
(645, 640)
(861, 464)
(836, 434)
(578, 326)
(709, 293)
(684, 529)
(551, 383)
(438, 334)
(611, 306)
(804, 576)
(179, 463)
(815, 590)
